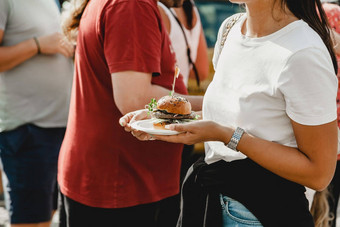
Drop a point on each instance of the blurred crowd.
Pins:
(75, 74)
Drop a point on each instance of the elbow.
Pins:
(320, 186)
(123, 109)
(126, 107)
(5, 66)
(320, 182)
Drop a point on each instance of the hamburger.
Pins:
(171, 110)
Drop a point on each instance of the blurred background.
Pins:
(212, 13)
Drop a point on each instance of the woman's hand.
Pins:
(196, 132)
(131, 117)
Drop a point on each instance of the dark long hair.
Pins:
(312, 12)
(71, 23)
(188, 11)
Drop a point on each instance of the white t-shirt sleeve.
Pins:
(309, 86)
(4, 11)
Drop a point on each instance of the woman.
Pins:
(269, 85)
(185, 30)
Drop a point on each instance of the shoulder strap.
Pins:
(188, 49)
(229, 24)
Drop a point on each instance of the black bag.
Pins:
(275, 201)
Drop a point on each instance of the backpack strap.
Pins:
(228, 25)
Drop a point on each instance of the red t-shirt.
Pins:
(100, 164)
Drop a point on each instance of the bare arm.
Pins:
(14, 55)
(312, 164)
(165, 19)
(133, 90)
(202, 61)
(336, 40)
(11, 56)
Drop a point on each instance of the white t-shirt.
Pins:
(261, 84)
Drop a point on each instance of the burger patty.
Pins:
(161, 114)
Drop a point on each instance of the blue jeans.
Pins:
(29, 157)
(234, 214)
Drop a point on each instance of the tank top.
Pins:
(178, 41)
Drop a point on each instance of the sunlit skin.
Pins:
(311, 164)
(128, 85)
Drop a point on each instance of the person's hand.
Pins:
(196, 132)
(131, 117)
(56, 43)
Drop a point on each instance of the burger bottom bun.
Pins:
(160, 125)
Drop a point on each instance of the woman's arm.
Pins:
(165, 19)
(312, 164)
(202, 61)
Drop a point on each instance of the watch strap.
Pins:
(235, 138)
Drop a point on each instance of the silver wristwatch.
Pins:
(235, 138)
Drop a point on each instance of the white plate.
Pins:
(147, 126)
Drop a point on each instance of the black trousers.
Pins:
(74, 214)
(160, 214)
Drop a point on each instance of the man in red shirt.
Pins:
(123, 59)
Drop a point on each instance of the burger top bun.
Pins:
(174, 104)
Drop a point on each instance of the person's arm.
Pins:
(14, 55)
(202, 61)
(336, 41)
(133, 90)
(11, 56)
(312, 164)
(165, 19)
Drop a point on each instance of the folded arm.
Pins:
(15, 55)
(12, 56)
(312, 164)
